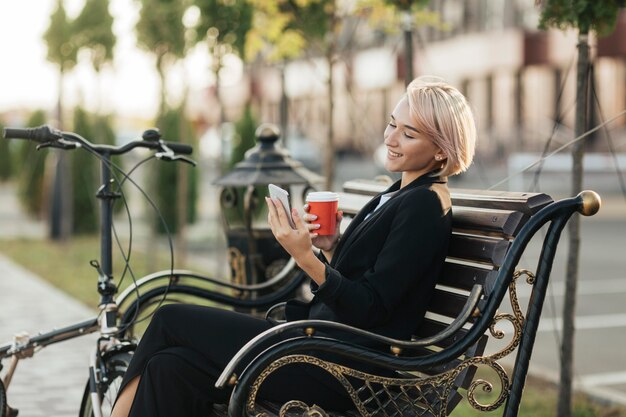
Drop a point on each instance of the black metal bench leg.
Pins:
(533, 315)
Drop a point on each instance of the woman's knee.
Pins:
(164, 365)
(167, 314)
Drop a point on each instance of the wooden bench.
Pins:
(437, 368)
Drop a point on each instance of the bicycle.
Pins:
(112, 353)
(118, 318)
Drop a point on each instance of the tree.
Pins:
(160, 31)
(5, 159)
(30, 178)
(62, 48)
(244, 139)
(84, 179)
(62, 51)
(584, 15)
(224, 26)
(394, 15)
(165, 179)
(283, 30)
(93, 29)
(227, 21)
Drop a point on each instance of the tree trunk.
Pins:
(182, 198)
(284, 105)
(408, 47)
(564, 408)
(60, 214)
(329, 151)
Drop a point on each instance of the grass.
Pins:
(66, 266)
(539, 400)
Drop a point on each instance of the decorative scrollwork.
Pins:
(408, 395)
(306, 411)
(486, 385)
(237, 265)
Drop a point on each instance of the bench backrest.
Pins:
(484, 224)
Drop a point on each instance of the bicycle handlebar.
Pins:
(49, 137)
(39, 134)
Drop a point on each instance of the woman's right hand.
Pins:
(326, 242)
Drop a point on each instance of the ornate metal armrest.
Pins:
(310, 327)
(274, 308)
(172, 274)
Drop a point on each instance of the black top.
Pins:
(385, 267)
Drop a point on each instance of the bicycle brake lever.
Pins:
(59, 144)
(173, 158)
(186, 160)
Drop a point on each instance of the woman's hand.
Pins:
(326, 242)
(297, 242)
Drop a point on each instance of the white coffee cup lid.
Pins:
(318, 196)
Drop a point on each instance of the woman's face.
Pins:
(408, 150)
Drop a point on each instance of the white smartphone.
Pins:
(283, 196)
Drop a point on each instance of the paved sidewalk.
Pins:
(52, 382)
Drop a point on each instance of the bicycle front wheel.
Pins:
(3, 400)
(112, 371)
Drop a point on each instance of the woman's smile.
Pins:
(393, 154)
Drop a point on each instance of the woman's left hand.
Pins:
(297, 242)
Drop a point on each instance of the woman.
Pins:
(380, 276)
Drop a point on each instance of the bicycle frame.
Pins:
(112, 329)
(24, 346)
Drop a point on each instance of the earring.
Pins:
(437, 158)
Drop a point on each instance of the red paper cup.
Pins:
(324, 204)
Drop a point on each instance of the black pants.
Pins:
(186, 347)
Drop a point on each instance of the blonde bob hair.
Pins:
(443, 114)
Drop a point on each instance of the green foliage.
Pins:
(165, 176)
(383, 14)
(84, 179)
(227, 21)
(244, 138)
(93, 30)
(30, 175)
(5, 159)
(584, 15)
(160, 28)
(282, 29)
(62, 49)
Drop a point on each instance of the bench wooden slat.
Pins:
(527, 203)
(500, 223)
(464, 276)
(446, 303)
(430, 327)
(477, 249)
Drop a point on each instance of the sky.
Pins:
(130, 87)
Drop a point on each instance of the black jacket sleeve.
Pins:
(414, 241)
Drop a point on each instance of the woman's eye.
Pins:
(408, 136)
(391, 124)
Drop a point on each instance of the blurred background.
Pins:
(328, 73)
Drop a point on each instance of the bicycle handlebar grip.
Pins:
(41, 134)
(180, 148)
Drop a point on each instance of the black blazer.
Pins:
(385, 267)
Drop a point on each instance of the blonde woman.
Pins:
(379, 276)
